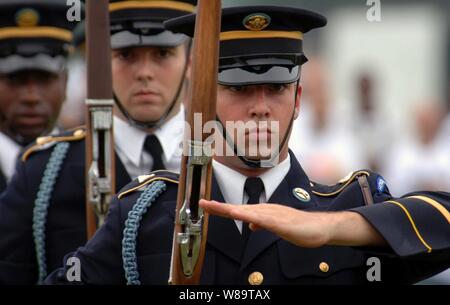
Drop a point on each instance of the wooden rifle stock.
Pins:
(191, 223)
(100, 156)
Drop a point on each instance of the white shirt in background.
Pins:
(9, 152)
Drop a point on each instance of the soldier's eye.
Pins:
(13, 78)
(16, 79)
(277, 87)
(237, 89)
(164, 53)
(124, 54)
(42, 77)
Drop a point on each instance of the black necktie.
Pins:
(2, 181)
(154, 148)
(254, 188)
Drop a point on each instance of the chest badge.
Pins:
(301, 194)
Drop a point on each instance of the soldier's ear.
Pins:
(297, 101)
(64, 78)
(188, 68)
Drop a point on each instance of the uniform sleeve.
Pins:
(415, 224)
(417, 229)
(17, 256)
(100, 260)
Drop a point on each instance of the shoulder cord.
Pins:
(42, 203)
(129, 258)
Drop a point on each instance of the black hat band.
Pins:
(254, 47)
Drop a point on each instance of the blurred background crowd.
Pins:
(376, 93)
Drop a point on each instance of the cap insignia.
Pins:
(257, 22)
(27, 17)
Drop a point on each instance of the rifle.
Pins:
(100, 156)
(191, 222)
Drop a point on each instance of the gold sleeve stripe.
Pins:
(121, 195)
(419, 236)
(344, 186)
(235, 35)
(41, 31)
(435, 204)
(175, 5)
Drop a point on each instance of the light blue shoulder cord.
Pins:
(148, 196)
(42, 202)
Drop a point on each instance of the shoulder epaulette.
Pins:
(42, 143)
(332, 190)
(144, 180)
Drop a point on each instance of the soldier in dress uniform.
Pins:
(335, 228)
(43, 208)
(35, 40)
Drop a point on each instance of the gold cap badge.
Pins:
(257, 22)
(27, 17)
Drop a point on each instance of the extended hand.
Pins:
(305, 229)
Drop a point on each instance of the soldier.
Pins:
(34, 42)
(339, 226)
(43, 209)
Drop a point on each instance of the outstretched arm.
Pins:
(305, 229)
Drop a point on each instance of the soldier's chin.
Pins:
(258, 157)
(148, 114)
(144, 117)
(28, 133)
(259, 154)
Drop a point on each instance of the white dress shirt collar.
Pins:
(273, 177)
(231, 182)
(171, 135)
(130, 140)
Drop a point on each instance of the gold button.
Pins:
(255, 278)
(324, 267)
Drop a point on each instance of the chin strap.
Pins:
(158, 123)
(258, 163)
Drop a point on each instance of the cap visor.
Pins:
(42, 62)
(267, 75)
(126, 39)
